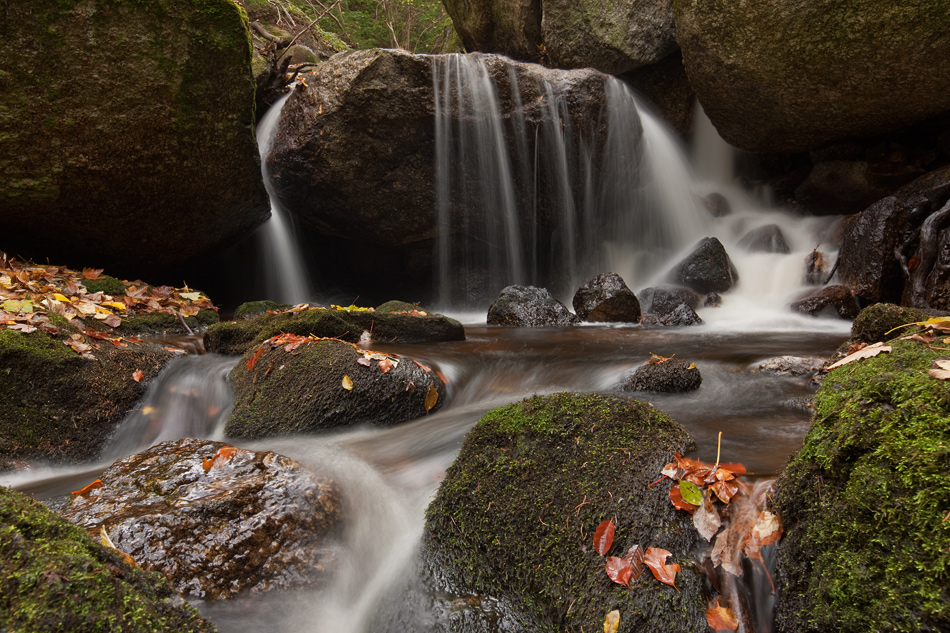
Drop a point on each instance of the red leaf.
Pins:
(138, 375)
(677, 499)
(655, 559)
(619, 570)
(422, 367)
(725, 490)
(385, 365)
(720, 618)
(604, 537)
(635, 556)
(96, 484)
(253, 360)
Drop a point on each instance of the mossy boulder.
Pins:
(142, 156)
(55, 578)
(866, 546)
(325, 384)
(515, 516)
(236, 337)
(215, 520)
(776, 76)
(877, 322)
(507, 27)
(58, 406)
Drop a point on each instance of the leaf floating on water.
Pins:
(138, 375)
(86, 489)
(865, 352)
(604, 537)
(619, 570)
(347, 383)
(612, 622)
(432, 396)
(943, 371)
(655, 559)
(720, 618)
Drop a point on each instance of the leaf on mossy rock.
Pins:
(604, 537)
(612, 622)
(943, 370)
(706, 518)
(655, 559)
(619, 570)
(720, 618)
(691, 493)
(865, 352)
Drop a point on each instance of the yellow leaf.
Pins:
(60, 297)
(612, 622)
(432, 396)
(114, 304)
(347, 383)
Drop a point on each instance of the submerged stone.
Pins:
(55, 578)
(215, 520)
(765, 239)
(515, 515)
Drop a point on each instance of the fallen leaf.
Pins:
(612, 622)
(768, 530)
(943, 371)
(107, 542)
(691, 493)
(365, 362)
(725, 490)
(619, 570)
(706, 518)
(385, 365)
(223, 456)
(635, 556)
(656, 359)
(604, 537)
(655, 559)
(422, 367)
(347, 383)
(138, 375)
(22, 327)
(432, 396)
(720, 618)
(676, 499)
(85, 489)
(190, 296)
(866, 352)
(253, 359)
(92, 273)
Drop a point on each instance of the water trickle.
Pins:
(286, 279)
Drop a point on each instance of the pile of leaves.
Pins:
(31, 293)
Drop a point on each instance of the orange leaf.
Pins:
(655, 559)
(85, 489)
(720, 618)
(423, 367)
(604, 537)
(138, 375)
(223, 456)
(432, 396)
(385, 365)
(619, 570)
(253, 359)
(92, 273)
(676, 498)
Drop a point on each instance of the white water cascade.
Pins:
(286, 279)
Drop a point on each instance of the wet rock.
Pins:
(877, 425)
(670, 376)
(839, 187)
(712, 300)
(606, 298)
(877, 322)
(804, 75)
(682, 315)
(386, 325)
(707, 268)
(325, 384)
(717, 204)
(765, 239)
(666, 87)
(789, 366)
(253, 309)
(54, 577)
(251, 522)
(660, 300)
(154, 115)
(816, 269)
(512, 28)
(833, 301)
(488, 530)
(527, 306)
(614, 37)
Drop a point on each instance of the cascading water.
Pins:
(286, 279)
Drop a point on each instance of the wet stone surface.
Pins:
(215, 520)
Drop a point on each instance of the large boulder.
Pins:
(54, 577)
(613, 36)
(515, 515)
(215, 520)
(527, 306)
(507, 27)
(606, 298)
(706, 269)
(294, 384)
(142, 156)
(864, 502)
(895, 251)
(779, 76)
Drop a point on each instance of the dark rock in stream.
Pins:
(514, 516)
(681, 316)
(527, 306)
(660, 300)
(669, 376)
(55, 578)
(833, 301)
(765, 239)
(215, 520)
(606, 299)
(707, 268)
(299, 387)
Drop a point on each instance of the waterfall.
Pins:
(284, 269)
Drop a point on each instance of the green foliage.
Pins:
(867, 547)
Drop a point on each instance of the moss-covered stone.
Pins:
(55, 578)
(58, 406)
(236, 337)
(875, 323)
(106, 285)
(515, 515)
(252, 309)
(321, 385)
(866, 546)
(143, 155)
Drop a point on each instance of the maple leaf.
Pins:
(92, 273)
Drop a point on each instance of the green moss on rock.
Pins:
(106, 285)
(875, 323)
(252, 309)
(55, 578)
(866, 547)
(515, 515)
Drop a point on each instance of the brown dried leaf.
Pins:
(635, 556)
(943, 371)
(432, 397)
(619, 570)
(866, 352)
(706, 518)
(655, 559)
(138, 375)
(720, 618)
(604, 537)
(385, 365)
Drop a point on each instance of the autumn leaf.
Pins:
(612, 622)
(385, 365)
(655, 559)
(107, 542)
(725, 490)
(943, 370)
(706, 518)
(223, 456)
(635, 556)
(656, 359)
(866, 352)
(92, 273)
(253, 359)
(619, 570)
(86, 489)
(691, 493)
(938, 323)
(422, 367)
(347, 383)
(604, 537)
(676, 499)
(365, 362)
(720, 618)
(138, 375)
(432, 396)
